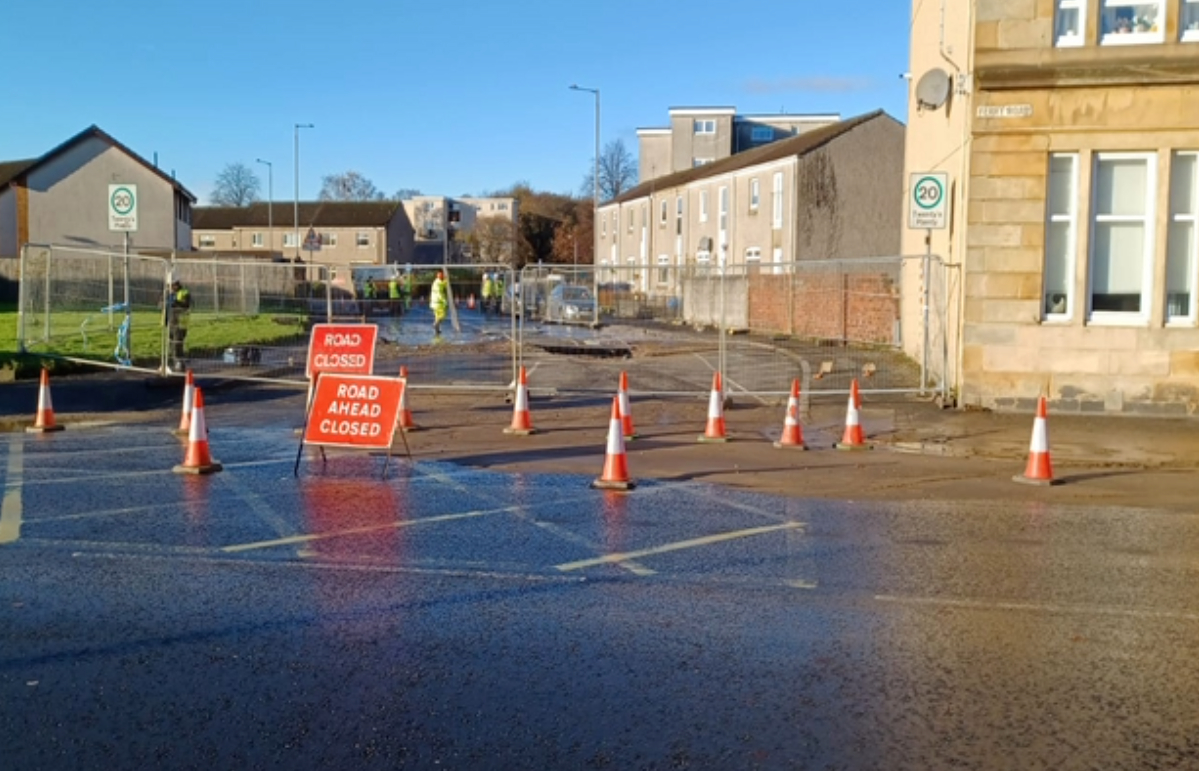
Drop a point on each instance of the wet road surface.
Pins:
(450, 618)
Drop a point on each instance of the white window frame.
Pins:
(704, 126)
(1070, 218)
(207, 242)
(703, 205)
(1185, 34)
(1192, 218)
(1148, 221)
(703, 261)
(289, 239)
(1071, 40)
(328, 239)
(778, 260)
(632, 219)
(761, 134)
(1111, 38)
(663, 272)
(604, 225)
(256, 239)
(755, 194)
(663, 211)
(362, 239)
(777, 201)
(723, 198)
(697, 162)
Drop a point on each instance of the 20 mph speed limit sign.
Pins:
(928, 205)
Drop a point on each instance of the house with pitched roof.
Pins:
(61, 197)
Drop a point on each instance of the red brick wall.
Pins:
(857, 307)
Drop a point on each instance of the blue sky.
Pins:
(449, 98)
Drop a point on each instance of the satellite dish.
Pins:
(933, 89)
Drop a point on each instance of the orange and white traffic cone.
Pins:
(1039, 470)
(44, 422)
(189, 400)
(792, 437)
(853, 438)
(198, 460)
(470, 302)
(626, 415)
(616, 464)
(522, 422)
(715, 431)
(406, 421)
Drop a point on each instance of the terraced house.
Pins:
(1071, 131)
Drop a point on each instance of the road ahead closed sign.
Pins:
(354, 411)
(342, 348)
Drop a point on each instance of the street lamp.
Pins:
(296, 213)
(595, 173)
(270, 203)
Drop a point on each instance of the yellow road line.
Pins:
(677, 546)
(10, 506)
(359, 530)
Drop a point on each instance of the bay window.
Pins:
(1061, 236)
(1182, 248)
(1069, 22)
(1128, 22)
(1122, 235)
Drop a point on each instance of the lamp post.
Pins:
(595, 173)
(270, 204)
(296, 212)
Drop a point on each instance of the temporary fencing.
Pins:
(670, 323)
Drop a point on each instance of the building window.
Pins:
(754, 194)
(778, 260)
(1128, 22)
(1182, 248)
(724, 208)
(502, 207)
(703, 262)
(678, 216)
(207, 242)
(777, 200)
(1061, 235)
(1122, 234)
(328, 239)
(663, 268)
(289, 239)
(703, 206)
(664, 210)
(1189, 24)
(697, 162)
(1070, 22)
(256, 239)
(632, 219)
(761, 134)
(707, 126)
(362, 239)
(604, 225)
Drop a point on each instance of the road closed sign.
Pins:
(357, 411)
(347, 349)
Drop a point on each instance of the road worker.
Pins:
(178, 308)
(393, 296)
(486, 293)
(497, 289)
(439, 301)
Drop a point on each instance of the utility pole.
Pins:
(296, 213)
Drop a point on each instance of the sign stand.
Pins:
(928, 210)
(353, 411)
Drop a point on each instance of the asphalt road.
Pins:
(446, 617)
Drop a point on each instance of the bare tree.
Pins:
(236, 185)
(404, 193)
(350, 186)
(617, 170)
(492, 239)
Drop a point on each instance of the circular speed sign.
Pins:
(928, 193)
(122, 201)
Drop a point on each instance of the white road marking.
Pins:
(677, 546)
(1038, 607)
(10, 505)
(309, 538)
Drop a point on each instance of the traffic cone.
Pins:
(853, 438)
(626, 415)
(44, 422)
(522, 422)
(715, 430)
(792, 433)
(616, 464)
(198, 460)
(406, 421)
(1039, 470)
(189, 398)
(470, 302)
